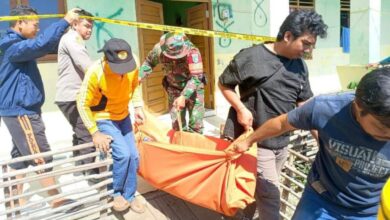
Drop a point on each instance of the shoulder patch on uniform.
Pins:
(195, 57)
(195, 64)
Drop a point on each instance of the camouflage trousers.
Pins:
(195, 107)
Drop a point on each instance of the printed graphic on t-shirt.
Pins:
(360, 159)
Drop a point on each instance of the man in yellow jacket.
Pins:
(108, 86)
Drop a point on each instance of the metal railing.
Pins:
(94, 197)
(90, 199)
(302, 150)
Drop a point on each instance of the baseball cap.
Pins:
(174, 45)
(119, 56)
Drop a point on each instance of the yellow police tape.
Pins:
(157, 27)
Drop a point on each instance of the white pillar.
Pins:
(365, 31)
(278, 11)
(330, 11)
(385, 30)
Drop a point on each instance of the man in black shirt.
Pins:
(272, 79)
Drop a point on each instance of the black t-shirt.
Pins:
(284, 82)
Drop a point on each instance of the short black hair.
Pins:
(83, 12)
(21, 10)
(299, 22)
(373, 94)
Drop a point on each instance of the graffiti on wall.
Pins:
(223, 16)
(259, 16)
(101, 30)
(224, 20)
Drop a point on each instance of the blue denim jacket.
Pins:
(21, 86)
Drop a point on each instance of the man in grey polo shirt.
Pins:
(73, 61)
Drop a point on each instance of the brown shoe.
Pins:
(120, 204)
(137, 205)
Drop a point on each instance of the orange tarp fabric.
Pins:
(196, 168)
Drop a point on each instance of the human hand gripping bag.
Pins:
(196, 168)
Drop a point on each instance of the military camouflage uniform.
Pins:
(183, 76)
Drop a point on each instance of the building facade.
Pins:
(364, 20)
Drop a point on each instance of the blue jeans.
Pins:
(124, 154)
(313, 206)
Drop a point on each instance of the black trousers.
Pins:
(81, 134)
(28, 137)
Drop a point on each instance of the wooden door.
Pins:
(154, 95)
(198, 17)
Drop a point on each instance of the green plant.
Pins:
(352, 85)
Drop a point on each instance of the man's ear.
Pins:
(288, 36)
(18, 24)
(74, 24)
(358, 110)
(356, 104)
